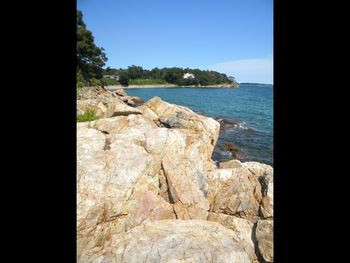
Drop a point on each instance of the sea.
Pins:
(245, 114)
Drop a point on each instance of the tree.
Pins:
(124, 79)
(135, 72)
(173, 75)
(90, 58)
(155, 73)
(108, 71)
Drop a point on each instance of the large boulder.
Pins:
(264, 238)
(176, 241)
(245, 191)
(114, 107)
(242, 229)
(264, 173)
(235, 192)
(187, 157)
(104, 103)
(230, 164)
(132, 101)
(201, 131)
(114, 175)
(121, 92)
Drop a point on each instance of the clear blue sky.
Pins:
(231, 36)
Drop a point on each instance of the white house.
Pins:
(188, 76)
(116, 77)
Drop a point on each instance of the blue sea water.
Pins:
(250, 106)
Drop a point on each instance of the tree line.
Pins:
(91, 60)
(174, 75)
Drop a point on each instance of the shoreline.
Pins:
(166, 86)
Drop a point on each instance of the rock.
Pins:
(104, 103)
(111, 183)
(131, 171)
(186, 181)
(235, 192)
(258, 169)
(149, 114)
(132, 101)
(146, 183)
(173, 123)
(96, 106)
(176, 241)
(89, 92)
(171, 114)
(114, 107)
(245, 192)
(147, 207)
(121, 109)
(137, 101)
(187, 158)
(230, 164)
(264, 173)
(241, 227)
(227, 123)
(267, 200)
(264, 238)
(120, 92)
(236, 152)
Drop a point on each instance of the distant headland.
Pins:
(263, 85)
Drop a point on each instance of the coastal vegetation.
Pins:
(147, 81)
(136, 75)
(91, 60)
(88, 115)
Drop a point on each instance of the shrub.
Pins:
(147, 81)
(124, 80)
(95, 82)
(89, 115)
(80, 79)
(109, 82)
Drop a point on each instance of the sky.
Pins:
(234, 37)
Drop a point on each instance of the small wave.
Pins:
(220, 155)
(230, 124)
(226, 154)
(236, 127)
(241, 125)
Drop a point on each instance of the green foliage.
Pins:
(90, 58)
(89, 115)
(95, 82)
(173, 75)
(136, 75)
(80, 79)
(109, 82)
(135, 72)
(147, 81)
(188, 82)
(124, 79)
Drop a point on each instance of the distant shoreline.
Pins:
(142, 86)
(165, 86)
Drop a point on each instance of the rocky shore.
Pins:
(149, 191)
